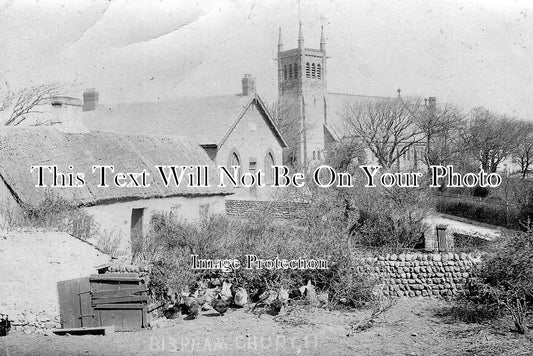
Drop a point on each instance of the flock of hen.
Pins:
(221, 298)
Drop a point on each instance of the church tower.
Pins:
(302, 98)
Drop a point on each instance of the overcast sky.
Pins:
(467, 52)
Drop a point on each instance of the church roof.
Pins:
(21, 148)
(204, 120)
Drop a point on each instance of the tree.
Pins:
(524, 148)
(441, 126)
(491, 138)
(26, 101)
(386, 127)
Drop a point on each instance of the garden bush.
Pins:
(504, 282)
(217, 237)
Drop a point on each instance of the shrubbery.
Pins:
(505, 282)
(172, 242)
(57, 213)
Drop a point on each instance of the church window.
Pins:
(307, 70)
(318, 71)
(285, 72)
(295, 71)
(290, 71)
(234, 161)
(269, 168)
(313, 71)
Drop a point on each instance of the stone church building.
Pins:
(234, 130)
(318, 114)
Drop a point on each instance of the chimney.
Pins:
(248, 85)
(90, 99)
(432, 102)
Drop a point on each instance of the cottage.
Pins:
(232, 129)
(122, 210)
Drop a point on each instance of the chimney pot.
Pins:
(248, 85)
(90, 99)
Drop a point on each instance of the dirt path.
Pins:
(410, 327)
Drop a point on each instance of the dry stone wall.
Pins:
(421, 274)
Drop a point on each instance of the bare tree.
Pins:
(524, 149)
(442, 127)
(491, 138)
(386, 127)
(26, 101)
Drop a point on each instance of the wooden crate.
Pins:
(103, 300)
(120, 300)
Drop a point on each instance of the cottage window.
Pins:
(252, 165)
(307, 70)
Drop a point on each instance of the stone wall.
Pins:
(417, 274)
(275, 209)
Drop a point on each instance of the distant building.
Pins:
(233, 129)
(124, 211)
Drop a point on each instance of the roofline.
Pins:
(106, 201)
(271, 121)
(262, 106)
(332, 132)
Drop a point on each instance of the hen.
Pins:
(5, 325)
(194, 309)
(220, 306)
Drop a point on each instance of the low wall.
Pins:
(426, 275)
(275, 209)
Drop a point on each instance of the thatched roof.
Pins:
(21, 148)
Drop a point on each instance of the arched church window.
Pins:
(285, 72)
(290, 71)
(269, 168)
(313, 71)
(295, 71)
(234, 160)
(307, 70)
(318, 71)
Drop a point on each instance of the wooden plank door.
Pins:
(136, 227)
(75, 303)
